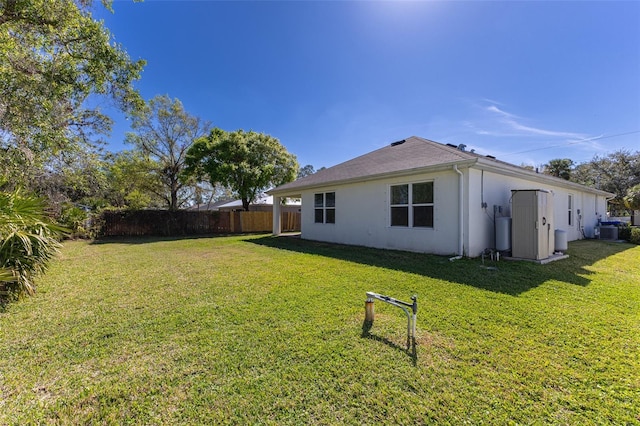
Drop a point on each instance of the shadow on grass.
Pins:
(507, 277)
(410, 349)
(154, 239)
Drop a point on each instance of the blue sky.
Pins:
(524, 81)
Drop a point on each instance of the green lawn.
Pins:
(256, 329)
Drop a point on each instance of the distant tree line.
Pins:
(618, 173)
(176, 160)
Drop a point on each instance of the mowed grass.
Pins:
(263, 330)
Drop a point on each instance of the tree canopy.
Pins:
(53, 57)
(632, 199)
(131, 181)
(306, 171)
(73, 177)
(616, 173)
(560, 167)
(164, 131)
(247, 162)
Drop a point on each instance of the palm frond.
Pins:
(28, 240)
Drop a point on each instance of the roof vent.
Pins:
(462, 147)
(452, 145)
(398, 143)
(491, 156)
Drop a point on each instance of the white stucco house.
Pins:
(423, 196)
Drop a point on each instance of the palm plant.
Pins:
(28, 241)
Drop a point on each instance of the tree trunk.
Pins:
(174, 201)
(174, 195)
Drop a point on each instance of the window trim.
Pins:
(570, 208)
(324, 207)
(410, 205)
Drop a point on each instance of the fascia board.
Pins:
(380, 176)
(519, 172)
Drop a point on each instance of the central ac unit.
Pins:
(608, 232)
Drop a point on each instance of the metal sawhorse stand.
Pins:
(411, 317)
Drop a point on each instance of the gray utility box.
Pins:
(532, 230)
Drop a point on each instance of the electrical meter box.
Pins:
(532, 230)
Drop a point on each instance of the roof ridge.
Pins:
(449, 148)
(406, 154)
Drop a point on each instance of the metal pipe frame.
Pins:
(411, 317)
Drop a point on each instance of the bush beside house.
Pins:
(629, 233)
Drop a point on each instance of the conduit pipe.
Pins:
(460, 214)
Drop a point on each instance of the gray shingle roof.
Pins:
(409, 155)
(413, 153)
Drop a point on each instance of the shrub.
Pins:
(74, 219)
(624, 232)
(635, 235)
(28, 241)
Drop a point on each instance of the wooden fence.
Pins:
(290, 221)
(185, 222)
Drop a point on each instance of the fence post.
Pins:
(369, 311)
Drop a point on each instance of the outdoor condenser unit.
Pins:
(532, 230)
(608, 232)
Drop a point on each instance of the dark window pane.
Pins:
(319, 216)
(330, 199)
(400, 194)
(423, 216)
(331, 215)
(399, 216)
(319, 200)
(423, 193)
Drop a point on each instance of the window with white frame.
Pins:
(325, 207)
(411, 205)
(570, 210)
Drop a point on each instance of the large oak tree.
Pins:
(247, 162)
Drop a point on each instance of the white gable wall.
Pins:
(363, 216)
